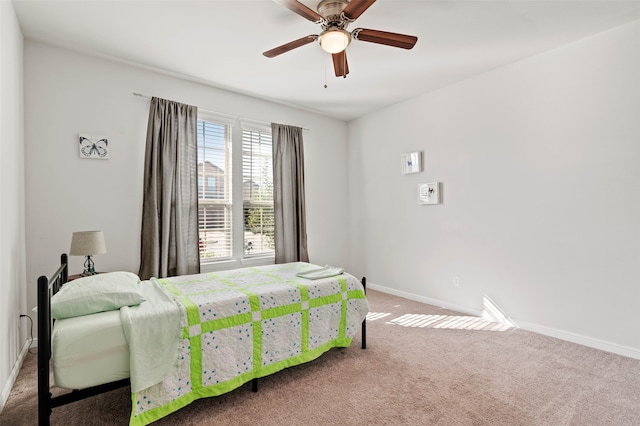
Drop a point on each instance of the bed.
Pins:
(183, 338)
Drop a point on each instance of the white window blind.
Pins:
(214, 190)
(257, 192)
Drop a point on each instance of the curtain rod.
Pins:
(237, 117)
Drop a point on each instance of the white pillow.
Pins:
(96, 293)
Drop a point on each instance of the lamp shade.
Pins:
(335, 40)
(87, 243)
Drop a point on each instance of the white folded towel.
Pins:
(316, 274)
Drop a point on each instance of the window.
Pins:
(214, 196)
(257, 192)
(234, 231)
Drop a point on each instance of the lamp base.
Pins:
(89, 268)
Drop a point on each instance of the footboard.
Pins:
(364, 322)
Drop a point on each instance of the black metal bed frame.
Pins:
(47, 287)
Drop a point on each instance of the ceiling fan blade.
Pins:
(382, 37)
(290, 46)
(301, 9)
(355, 8)
(340, 65)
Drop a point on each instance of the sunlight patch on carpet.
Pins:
(450, 322)
(373, 316)
(493, 319)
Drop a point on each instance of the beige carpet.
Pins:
(423, 366)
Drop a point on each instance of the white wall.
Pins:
(539, 164)
(67, 93)
(12, 206)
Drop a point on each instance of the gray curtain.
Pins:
(288, 194)
(169, 241)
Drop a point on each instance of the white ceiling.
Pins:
(220, 43)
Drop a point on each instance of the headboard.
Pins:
(47, 287)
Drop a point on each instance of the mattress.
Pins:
(89, 350)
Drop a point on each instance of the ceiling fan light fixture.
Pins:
(335, 40)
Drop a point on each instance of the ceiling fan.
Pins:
(334, 16)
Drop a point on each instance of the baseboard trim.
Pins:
(6, 391)
(547, 331)
(580, 339)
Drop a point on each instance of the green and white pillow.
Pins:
(96, 293)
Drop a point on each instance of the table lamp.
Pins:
(87, 243)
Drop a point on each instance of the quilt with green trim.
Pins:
(248, 323)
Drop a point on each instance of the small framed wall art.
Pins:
(429, 193)
(93, 146)
(411, 162)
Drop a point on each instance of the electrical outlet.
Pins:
(456, 281)
(20, 321)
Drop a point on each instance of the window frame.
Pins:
(238, 258)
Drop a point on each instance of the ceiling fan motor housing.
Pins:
(331, 11)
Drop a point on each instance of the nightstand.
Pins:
(76, 276)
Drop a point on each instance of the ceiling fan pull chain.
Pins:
(325, 75)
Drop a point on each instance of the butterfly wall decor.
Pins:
(94, 146)
(411, 162)
(429, 193)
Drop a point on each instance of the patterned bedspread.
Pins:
(248, 323)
